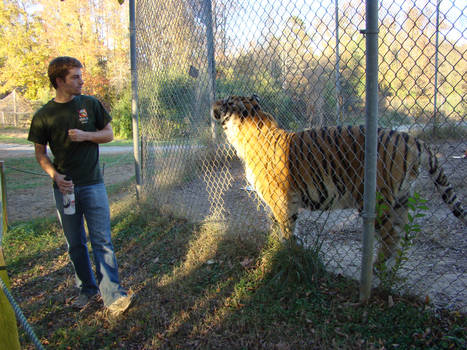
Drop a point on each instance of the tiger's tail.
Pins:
(443, 186)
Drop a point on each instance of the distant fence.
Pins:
(18, 119)
(16, 111)
(306, 62)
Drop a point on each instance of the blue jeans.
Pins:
(91, 204)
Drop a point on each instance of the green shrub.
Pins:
(121, 116)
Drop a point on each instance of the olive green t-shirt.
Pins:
(50, 125)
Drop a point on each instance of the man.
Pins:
(73, 125)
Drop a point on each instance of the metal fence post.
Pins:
(134, 99)
(371, 108)
(435, 97)
(14, 108)
(338, 82)
(211, 60)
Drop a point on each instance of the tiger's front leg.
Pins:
(287, 227)
(285, 213)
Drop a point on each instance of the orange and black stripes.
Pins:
(321, 168)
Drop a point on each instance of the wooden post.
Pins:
(8, 329)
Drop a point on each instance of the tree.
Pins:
(23, 56)
(32, 33)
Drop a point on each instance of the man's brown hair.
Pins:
(59, 68)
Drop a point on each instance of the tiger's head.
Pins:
(236, 109)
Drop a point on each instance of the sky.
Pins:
(254, 19)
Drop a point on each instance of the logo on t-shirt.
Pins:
(83, 116)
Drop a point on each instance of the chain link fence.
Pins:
(306, 62)
(15, 110)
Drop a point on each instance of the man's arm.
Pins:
(45, 163)
(101, 136)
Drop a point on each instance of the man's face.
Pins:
(73, 82)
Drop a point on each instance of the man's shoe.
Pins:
(82, 300)
(120, 305)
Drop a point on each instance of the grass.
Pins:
(443, 132)
(199, 288)
(14, 139)
(22, 173)
(25, 173)
(118, 142)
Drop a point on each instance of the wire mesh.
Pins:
(306, 62)
(15, 110)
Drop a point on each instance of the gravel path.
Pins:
(11, 150)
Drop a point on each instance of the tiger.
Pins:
(323, 168)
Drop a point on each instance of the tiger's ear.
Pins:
(225, 101)
(243, 111)
(255, 97)
(255, 102)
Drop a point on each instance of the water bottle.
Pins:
(69, 201)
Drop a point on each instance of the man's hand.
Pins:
(45, 163)
(64, 186)
(77, 135)
(101, 136)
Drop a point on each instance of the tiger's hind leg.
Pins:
(390, 225)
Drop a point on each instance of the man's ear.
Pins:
(59, 81)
